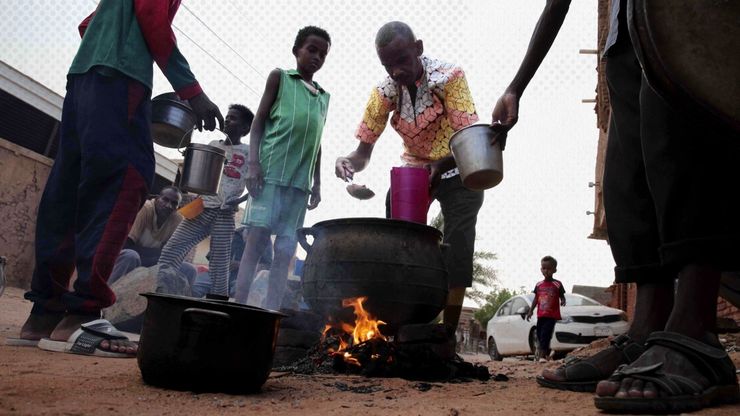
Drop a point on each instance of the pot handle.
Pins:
(301, 233)
(179, 145)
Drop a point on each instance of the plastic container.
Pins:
(410, 194)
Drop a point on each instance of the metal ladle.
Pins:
(360, 192)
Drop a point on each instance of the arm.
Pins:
(460, 113)
(315, 198)
(506, 112)
(85, 23)
(534, 305)
(255, 180)
(155, 20)
(374, 120)
(562, 295)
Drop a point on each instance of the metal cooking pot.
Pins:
(206, 345)
(398, 265)
(202, 167)
(481, 165)
(172, 121)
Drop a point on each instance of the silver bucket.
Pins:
(202, 169)
(481, 165)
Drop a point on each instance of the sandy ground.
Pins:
(36, 382)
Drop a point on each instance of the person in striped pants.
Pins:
(216, 219)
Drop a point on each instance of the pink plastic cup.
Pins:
(410, 194)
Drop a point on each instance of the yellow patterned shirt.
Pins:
(443, 106)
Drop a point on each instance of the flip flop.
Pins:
(85, 341)
(680, 393)
(583, 374)
(21, 342)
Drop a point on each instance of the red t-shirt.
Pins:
(547, 295)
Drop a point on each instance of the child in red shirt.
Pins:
(546, 295)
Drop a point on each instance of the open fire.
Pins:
(416, 352)
(365, 329)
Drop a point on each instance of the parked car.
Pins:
(584, 320)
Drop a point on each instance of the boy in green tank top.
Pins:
(283, 175)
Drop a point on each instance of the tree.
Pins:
(484, 276)
(493, 300)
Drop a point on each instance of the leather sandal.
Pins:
(677, 393)
(582, 374)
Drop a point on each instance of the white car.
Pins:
(584, 320)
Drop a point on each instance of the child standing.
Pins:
(286, 143)
(217, 218)
(549, 295)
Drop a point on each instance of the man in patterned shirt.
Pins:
(427, 100)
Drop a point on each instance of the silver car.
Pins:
(583, 321)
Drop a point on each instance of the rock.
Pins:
(128, 311)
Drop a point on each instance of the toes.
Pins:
(650, 391)
(105, 345)
(624, 388)
(636, 389)
(607, 388)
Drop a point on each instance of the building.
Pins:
(31, 114)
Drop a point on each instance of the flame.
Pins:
(365, 328)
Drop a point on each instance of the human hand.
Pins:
(562, 302)
(505, 114)
(255, 180)
(206, 113)
(232, 203)
(315, 198)
(529, 316)
(344, 169)
(435, 177)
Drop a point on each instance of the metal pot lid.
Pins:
(205, 303)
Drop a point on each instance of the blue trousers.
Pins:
(100, 178)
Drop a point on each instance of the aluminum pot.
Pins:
(398, 265)
(172, 121)
(206, 345)
(481, 165)
(202, 167)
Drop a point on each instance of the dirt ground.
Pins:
(36, 382)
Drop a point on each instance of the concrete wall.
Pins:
(23, 174)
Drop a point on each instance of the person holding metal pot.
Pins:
(102, 173)
(673, 228)
(429, 100)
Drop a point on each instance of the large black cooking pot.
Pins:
(206, 345)
(398, 265)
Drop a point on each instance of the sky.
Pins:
(538, 209)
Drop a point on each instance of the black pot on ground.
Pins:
(397, 265)
(206, 345)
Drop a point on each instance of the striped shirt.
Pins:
(293, 130)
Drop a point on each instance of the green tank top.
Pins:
(293, 130)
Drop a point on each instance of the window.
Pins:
(518, 304)
(505, 309)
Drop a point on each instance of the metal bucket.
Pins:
(481, 165)
(202, 169)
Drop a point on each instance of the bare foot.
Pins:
(672, 363)
(71, 323)
(39, 326)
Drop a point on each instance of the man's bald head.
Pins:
(390, 30)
